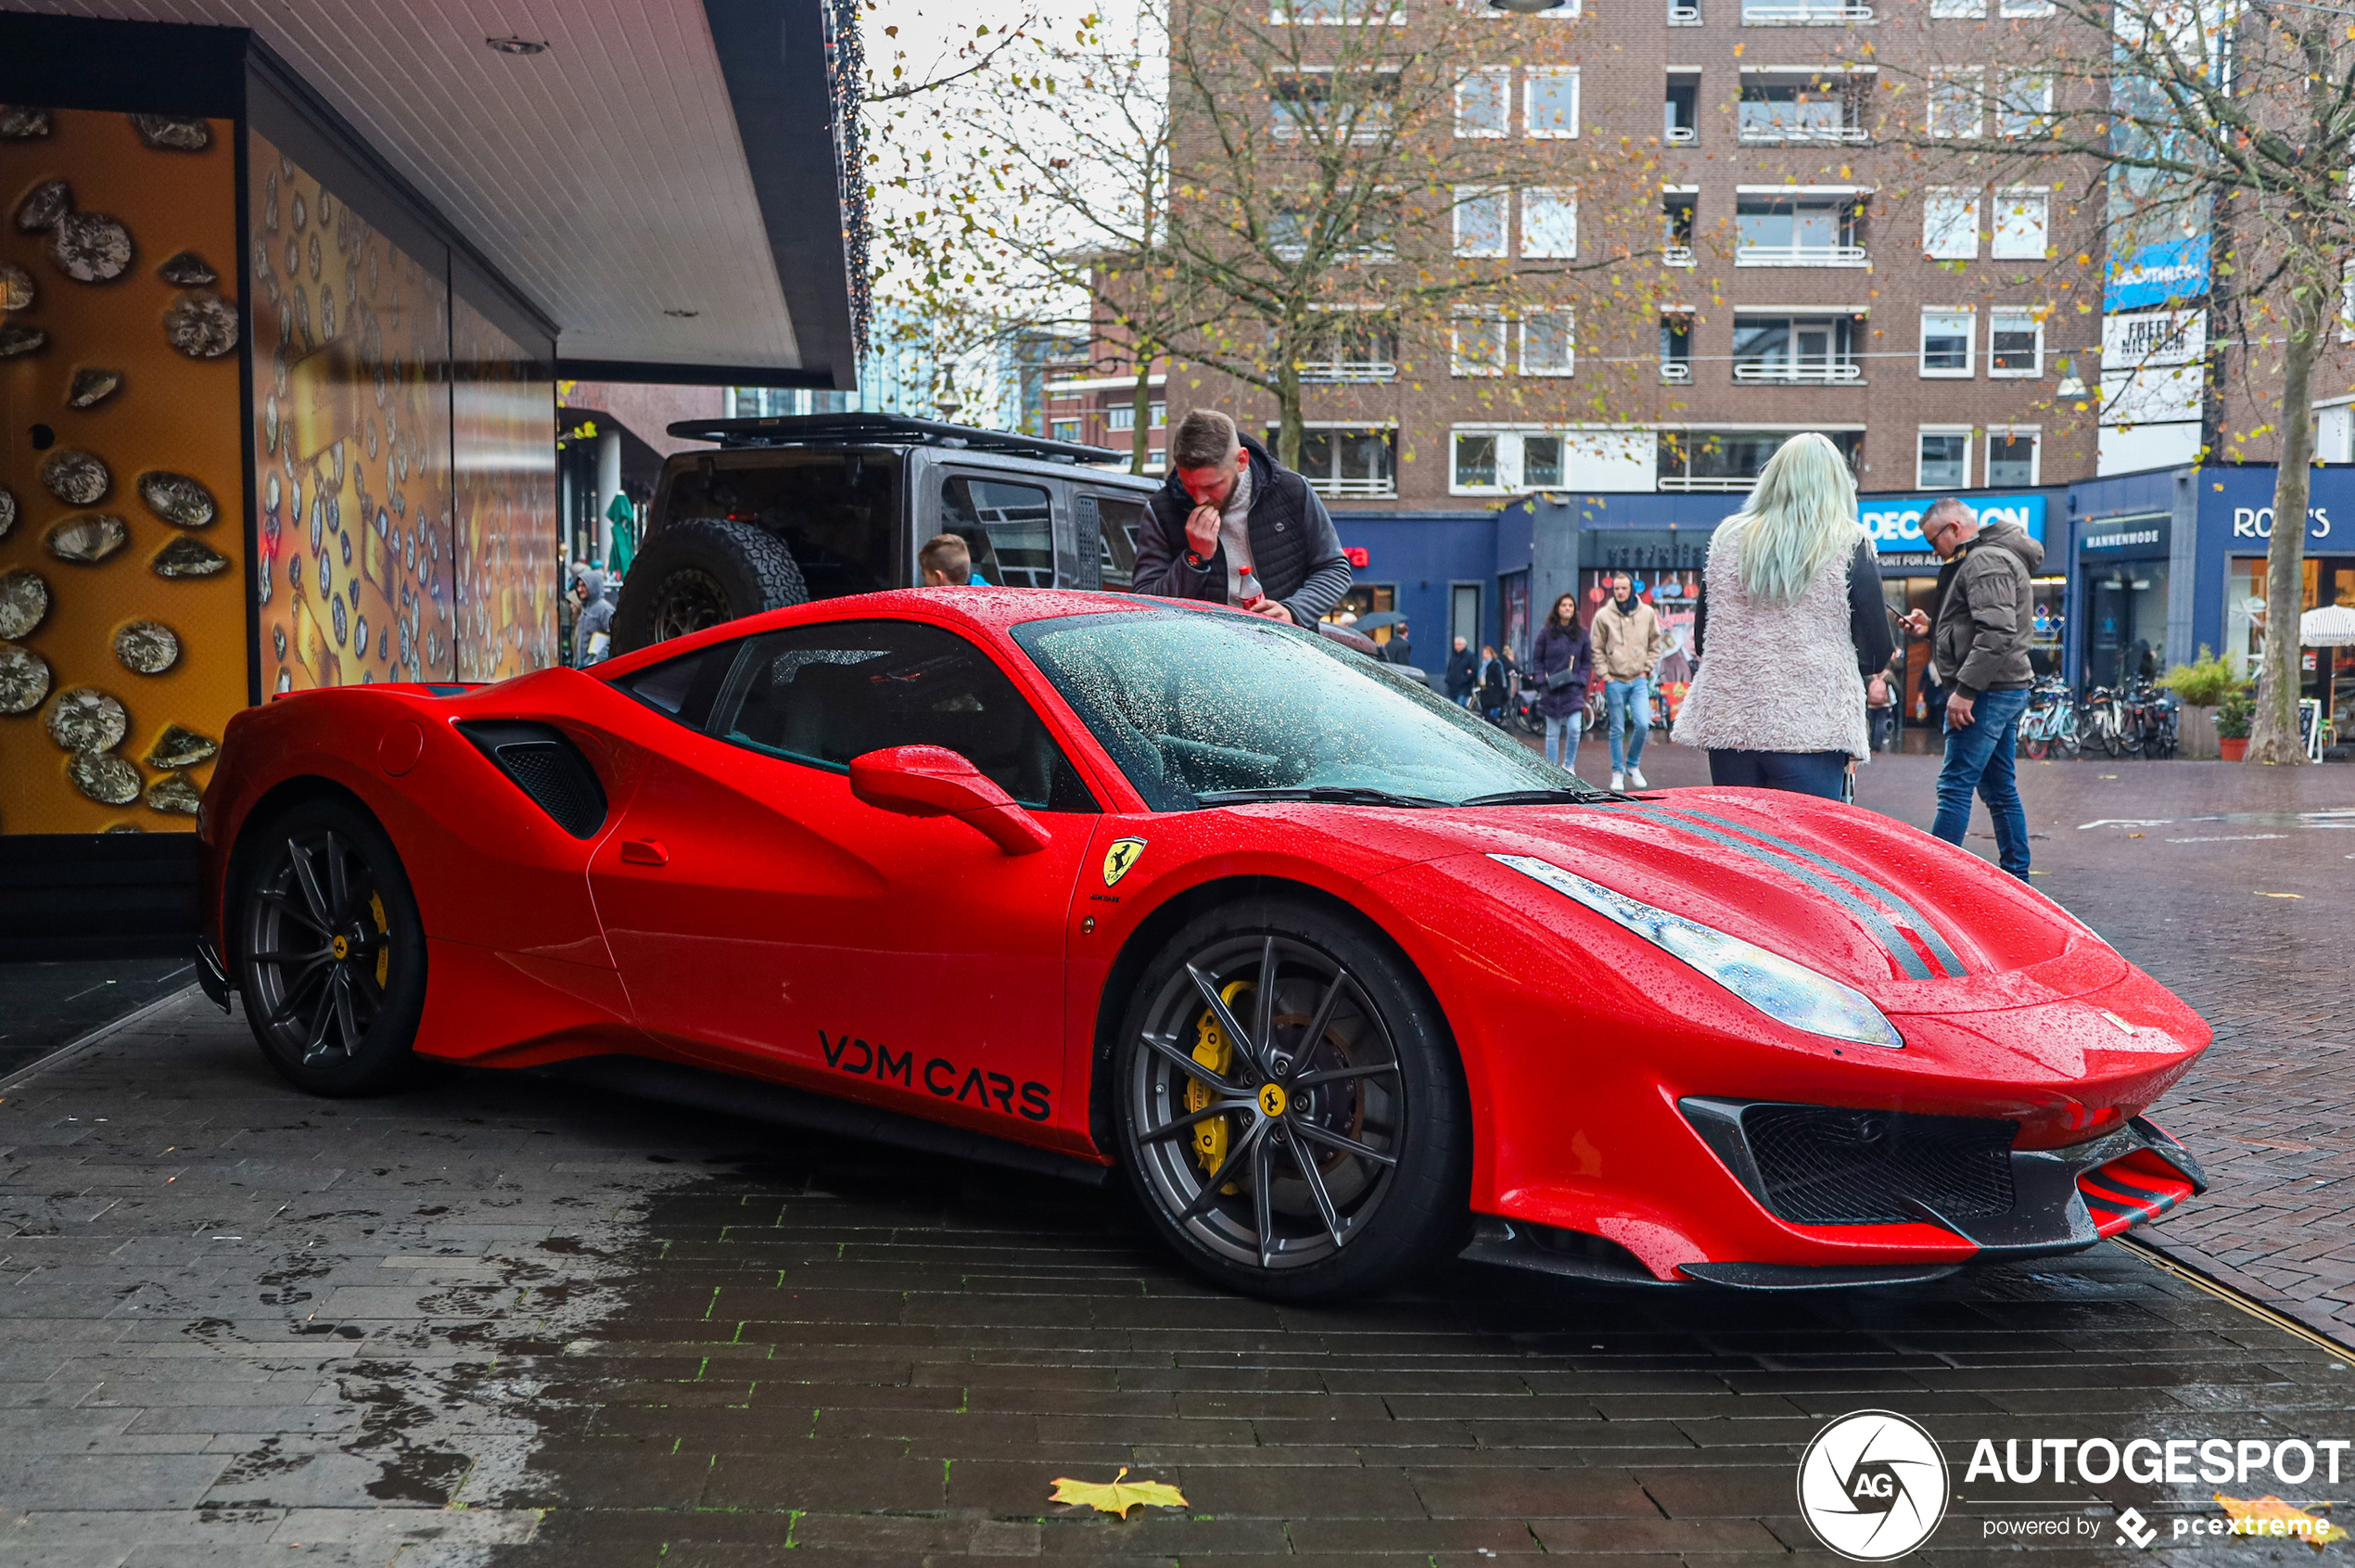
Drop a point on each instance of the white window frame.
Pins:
(1569, 343)
(1563, 198)
(1973, 81)
(1121, 416)
(2024, 8)
(1278, 16)
(2347, 301)
(1950, 198)
(1969, 316)
(1456, 485)
(1499, 80)
(1529, 127)
(2043, 114)
(1921, 479)
(2012, 313)
(1466, 196)
(2022, 199)
(1957, 10)
(1496, 326)
(1987, 456)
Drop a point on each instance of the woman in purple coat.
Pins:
(1563, 662)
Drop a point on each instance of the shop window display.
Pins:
(507, 538)
(2330, 579)
(122, 639)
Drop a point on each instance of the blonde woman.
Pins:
(1789, 626)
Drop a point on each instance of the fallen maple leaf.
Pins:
(1116, 1496)
(2271, 1516)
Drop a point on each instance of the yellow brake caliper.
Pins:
(384, 950)
(1215, 1051)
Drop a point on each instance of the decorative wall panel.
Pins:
(122, 633)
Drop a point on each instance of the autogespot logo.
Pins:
(1873, 1486)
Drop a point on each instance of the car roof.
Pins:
(983, 609)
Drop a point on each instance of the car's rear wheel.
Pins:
(331, 952)
(1292, 1113)
(696, 572)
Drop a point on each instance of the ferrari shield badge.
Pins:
(1124, 853)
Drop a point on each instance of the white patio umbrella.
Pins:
(2330, 627)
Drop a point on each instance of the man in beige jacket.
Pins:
(1629, 642)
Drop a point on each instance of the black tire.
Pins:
(696, 572)
(331, 954)
(1230, 1184)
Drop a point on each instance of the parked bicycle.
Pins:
(2049, 727)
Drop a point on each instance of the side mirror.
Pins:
(932, 781)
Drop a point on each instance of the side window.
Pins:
(684, 687)
(1122, 519)
(823, 695)
(1008, 528)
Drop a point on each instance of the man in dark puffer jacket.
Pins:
(1228, 504)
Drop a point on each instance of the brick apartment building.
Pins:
(1813, 269)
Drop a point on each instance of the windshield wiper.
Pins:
(1542, 797)
(1338, 795)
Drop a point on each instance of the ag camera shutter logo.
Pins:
(1873, 1486)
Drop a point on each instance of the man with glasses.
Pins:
(1979, 650)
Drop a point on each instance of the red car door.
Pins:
(765, 919)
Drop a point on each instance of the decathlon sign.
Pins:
(1896, 524)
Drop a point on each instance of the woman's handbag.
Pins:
(1559, 679)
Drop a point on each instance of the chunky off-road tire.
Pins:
(1291, 1109)
(331, 955)
(700, 572)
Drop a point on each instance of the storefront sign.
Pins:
(2129, 536)
(2130, 342)
(2157, 274)
(1896, 525)
(2256, 522)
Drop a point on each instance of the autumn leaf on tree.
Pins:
(1116, 1496)
(2271, 1516)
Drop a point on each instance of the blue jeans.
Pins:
(1561, 738)
(1629, 703)
(1801, 772)
(1978, 760)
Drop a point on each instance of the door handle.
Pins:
(644, 852)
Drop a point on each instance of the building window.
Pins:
(1804, 13)
(1946, 336)
(2011, 457)
(2022, 217)
(1476, 344)
(1548, 343)
(1066, 429)
(1355, 108)
(1332, 13)
(1352, 346)
(1475, 461)
(1678, 210)
(1683, 108)
(1161, 415)
(1797, 109)
(1676, 347)
(2014, 343)
(1480, 220)
(1957, 9)
(1944, 458)
(1684, 13)
(1774, 231)
(1950, 224)
(1541, 461)
(2025, 8)
(1121, 416)
(1729, 460)
(1954, 102)
(1348, 460)
(1795, 349)
(1483, 103)
(1549, 224)
(2023, 104)
(1549, 102)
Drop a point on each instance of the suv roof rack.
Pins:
(896, 429)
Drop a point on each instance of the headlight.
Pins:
(1787, 992)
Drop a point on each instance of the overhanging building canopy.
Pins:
(662, 181)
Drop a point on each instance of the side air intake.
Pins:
(546, 765)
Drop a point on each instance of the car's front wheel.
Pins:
(331, 952)
(1292, 1113)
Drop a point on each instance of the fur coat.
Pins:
(1774, 677)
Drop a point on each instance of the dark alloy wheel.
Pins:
(331, 950)
(1292, 1113)
(696, 572)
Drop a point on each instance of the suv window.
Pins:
(823, 695)
(1008, 528)
(1118, 549)
(837, 512)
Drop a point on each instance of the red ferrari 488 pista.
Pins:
(1338, 978)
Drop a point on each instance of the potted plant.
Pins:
(2200, 686)
(2234, 717)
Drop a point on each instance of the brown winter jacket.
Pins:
(1627, 645)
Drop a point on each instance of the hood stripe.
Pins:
(1896, 945)
(1928, 932)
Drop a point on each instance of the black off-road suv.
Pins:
(823, 505)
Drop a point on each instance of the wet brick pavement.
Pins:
(503, 1321)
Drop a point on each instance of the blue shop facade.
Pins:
(2141, 570)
